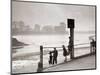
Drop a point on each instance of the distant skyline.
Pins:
(53, 14)
(19, 27)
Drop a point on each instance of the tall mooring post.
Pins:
(71, 38)
(40, 64)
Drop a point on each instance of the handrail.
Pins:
(52, 47)
(81, 44)
(67, 46)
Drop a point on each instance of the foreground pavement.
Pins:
(87, 62)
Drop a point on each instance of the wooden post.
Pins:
(40, 64)
(41, 56)
(71, 26)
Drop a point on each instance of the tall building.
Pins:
(47, 29)
(37, 28)
(61, 28)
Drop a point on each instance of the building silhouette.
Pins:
(61, 28)
(37, 28)
(47, 29)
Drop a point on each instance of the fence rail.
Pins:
(40, 64)
(67, 46)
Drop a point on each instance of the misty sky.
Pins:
(53, 14)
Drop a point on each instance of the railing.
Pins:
(40, 64)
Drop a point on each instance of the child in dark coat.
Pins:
(65, 53)
(50, 58)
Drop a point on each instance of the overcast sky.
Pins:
(53, 14)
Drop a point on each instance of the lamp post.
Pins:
(71, 43)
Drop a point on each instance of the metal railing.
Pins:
(40, 64)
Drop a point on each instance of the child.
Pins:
(50, 57)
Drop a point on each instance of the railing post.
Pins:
(41, 55)
(40, 64)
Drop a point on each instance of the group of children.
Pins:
(53, 56)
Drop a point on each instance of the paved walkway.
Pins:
(87, 62)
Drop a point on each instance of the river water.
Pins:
(35, 41)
